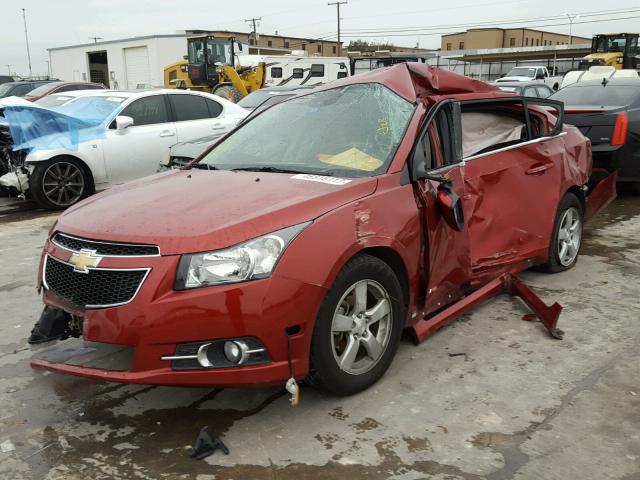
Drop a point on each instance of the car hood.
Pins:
(193, 148)
(186, 211)
(514, 79)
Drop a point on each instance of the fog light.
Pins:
(233, 351)
(238, 352)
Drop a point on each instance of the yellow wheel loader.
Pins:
(618, 50)
(211, 66)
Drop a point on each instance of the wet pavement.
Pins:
(489, 397)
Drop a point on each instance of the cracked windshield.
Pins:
(351, 131)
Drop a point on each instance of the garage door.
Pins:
(136, 64)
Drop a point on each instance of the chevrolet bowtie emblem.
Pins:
(84, 259)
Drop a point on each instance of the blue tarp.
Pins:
(36, 128)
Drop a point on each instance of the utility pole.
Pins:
(9, 69)
(337, 4)
(95, 39)
(48, 69)
(255, 31)
(26, 36)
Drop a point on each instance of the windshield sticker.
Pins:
(352, 158)
(321, 179)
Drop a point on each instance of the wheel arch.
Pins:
(392, 258)
(578, 192)
(83, 165)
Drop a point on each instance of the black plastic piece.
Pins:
(52, 325)
(206, 444)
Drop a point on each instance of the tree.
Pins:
(365, 46)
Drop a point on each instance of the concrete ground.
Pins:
(514, 404)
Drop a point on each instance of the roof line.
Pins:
(517, 28)
(130, 39)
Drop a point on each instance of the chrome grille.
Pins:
(98, 288)
(108, 249)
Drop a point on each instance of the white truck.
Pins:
(532, 73)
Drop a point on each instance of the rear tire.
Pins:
(228, 92)
(60, 183)
(358, 328)
(566, 238)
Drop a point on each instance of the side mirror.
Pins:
(450, 206)
(122, 122)
(239, 45)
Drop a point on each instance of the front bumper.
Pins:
(278, 311)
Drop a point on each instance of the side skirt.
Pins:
(506, 283)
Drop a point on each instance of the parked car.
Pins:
(183, 153)
(532, 73)
(108, 137)
(59, 99)
(20, 88)
(304, 242)
(608, 113)
(257, 98)
(526, 89)
(61, 87)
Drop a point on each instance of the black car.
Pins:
(257, 98)
(20, 88)
(608, 113)
(526, 89)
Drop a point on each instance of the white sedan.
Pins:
(130, 132)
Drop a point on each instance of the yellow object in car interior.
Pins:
(352, 158)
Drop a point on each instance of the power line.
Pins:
(488, 23)
(359, 35)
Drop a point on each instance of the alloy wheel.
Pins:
(63, 183)
(361, 327)
(569, 236)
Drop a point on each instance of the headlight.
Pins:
(247, 261)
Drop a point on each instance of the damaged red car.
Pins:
(303, 243)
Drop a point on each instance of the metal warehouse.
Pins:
(130, 63)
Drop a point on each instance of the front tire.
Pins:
(358, 328)
(58, 184)
(228, 92)
(566, 238)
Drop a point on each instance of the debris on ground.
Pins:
(206, 444)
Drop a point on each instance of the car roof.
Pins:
(145, 92)
(520, 84)
(285, 88)
(22, 82)
(74, 93)
(616, 82)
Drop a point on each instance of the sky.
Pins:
(54, 23)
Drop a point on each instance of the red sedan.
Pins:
(305, 241)
(60, 87)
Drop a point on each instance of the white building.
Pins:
(120, 64)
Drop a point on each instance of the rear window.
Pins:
(611, 95)
(42, 89)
